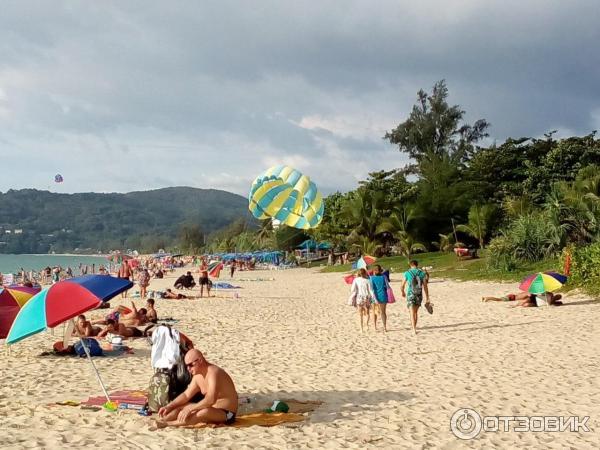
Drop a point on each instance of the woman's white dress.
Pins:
(361, 287)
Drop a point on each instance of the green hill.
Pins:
(90, 222)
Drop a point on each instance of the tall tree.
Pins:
(439, 144)
(433, 131)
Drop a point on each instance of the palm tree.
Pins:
(264, 235)
(480, 220)
(365, 245)
(363, 209)
(446, 242)
(572, 211)
(518, 206)
(408, 246)
(398, 220)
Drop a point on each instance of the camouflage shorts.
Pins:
(159, 389)
(414, 300)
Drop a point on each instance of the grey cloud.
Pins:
(227, 85)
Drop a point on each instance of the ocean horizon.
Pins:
(11, 263)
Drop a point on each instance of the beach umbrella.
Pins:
(541, 282)
(348, 279)
(12, 300)
(363, 262)
(214, 269)
(63, 301)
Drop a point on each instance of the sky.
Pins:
(120, 96)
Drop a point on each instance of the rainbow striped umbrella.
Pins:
(541, 282)
(12, 300)
(63, 301)
(214, 269)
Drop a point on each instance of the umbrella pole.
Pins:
(87, 352)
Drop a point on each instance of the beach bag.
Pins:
(92, 345)
(352, 299)
(391, 298)
(167, 383)
(159, 389)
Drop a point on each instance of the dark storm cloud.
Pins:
(211, 93)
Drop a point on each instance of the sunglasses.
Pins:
(190, 365)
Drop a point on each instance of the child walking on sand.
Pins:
(362, 294)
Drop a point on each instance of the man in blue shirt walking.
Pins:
(413, 288)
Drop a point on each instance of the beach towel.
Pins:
(256, 279)
(253, 414)
(261, 419)
(225, 285)
(131, 396)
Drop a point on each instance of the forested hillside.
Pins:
(33, 221)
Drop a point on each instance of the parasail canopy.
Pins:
(283, 193)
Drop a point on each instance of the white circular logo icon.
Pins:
(465, 423)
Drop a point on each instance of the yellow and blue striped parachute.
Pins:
(285, 194)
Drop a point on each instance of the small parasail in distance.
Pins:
(58, 178)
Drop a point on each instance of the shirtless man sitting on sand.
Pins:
(84, 328)
(119, 329)
(151, 314)
(220, 401)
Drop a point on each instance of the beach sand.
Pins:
(294, 337)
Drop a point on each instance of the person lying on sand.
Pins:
(119, 329)
(130, 318)
(84, 328)
(220, 401)
(170, 294)
(526, 300)
(135, 317)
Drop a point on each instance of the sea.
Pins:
(14, 263)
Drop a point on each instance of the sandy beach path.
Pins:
(295, 337)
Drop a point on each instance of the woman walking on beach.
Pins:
(379, 285)
(362, 294)
(143, 281)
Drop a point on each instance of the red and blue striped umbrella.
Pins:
(63, 301)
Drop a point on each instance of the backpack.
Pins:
(92, 345)
(416, 283)
(167, 383)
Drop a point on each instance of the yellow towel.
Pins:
(259, 419)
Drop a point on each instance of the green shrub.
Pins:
(585, 267)
(501, 251)
(529, 238)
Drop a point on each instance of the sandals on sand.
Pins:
(429, 307)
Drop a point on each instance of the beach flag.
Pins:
(214, 269)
